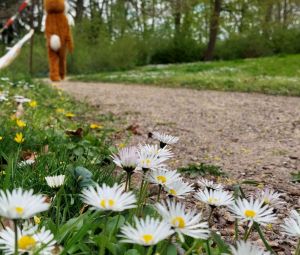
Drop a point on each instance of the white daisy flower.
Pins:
(184, 221)
(126, 158)
(246, 248)
(3, 97)
(55, 181)
(164, 139)
(270, 197)
(163, 176)
(204, 183)
(214, 198)
(27, 162)
(179, 189)
(253, 211)
(29, 241)
(152, 157)
(148, 150)
(291, 225)
(21, 99)
(146, 232)
(20, 204)
(145, 163)
(108, 198)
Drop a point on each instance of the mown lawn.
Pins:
(278, 75)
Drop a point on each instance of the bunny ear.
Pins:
(70, 18)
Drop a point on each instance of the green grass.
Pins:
(278, 75)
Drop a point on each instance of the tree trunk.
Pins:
(79, 10)
(213, 30)
(177, 18)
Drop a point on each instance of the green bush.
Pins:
(95, 51)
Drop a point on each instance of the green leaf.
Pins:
(83, 176)
(114, 223)
(171, 250)
(223, 247)
(132, 252)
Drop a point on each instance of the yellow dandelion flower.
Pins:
(20, 123)
(33, 103)
(19, 138)
(1, 138)
(70, 115)
(37, 220)
(60, 110)
(95, 126)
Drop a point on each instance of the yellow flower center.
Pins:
(104, 203)
(147, 238)
(213, 200)
(173, 192)
(178, 222)
(26, 242)
(147, 162)
(19, 210)
(250, 213)
(161, 179)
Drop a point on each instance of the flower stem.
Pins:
(261, 235)
(248, 232)
(159, 191)
(127, 180)
(236, 229)
(58, 197)
(297, 252)
(16, 237)
(210, 215)
(150, 249)
(115, 227)
(190, 250)
(208, 247)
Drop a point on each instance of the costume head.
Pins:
(54, 6)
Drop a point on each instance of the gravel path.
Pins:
(249, 135)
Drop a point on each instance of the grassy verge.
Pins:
(278, 75)
(57, 135)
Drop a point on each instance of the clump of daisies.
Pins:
(29, 241)
(17, 205)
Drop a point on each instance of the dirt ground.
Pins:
(251, 136)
